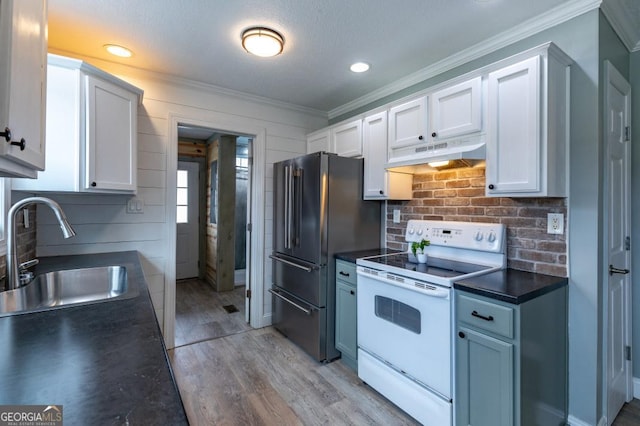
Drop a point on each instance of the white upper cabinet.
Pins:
(23, 49)
(319, 141)
(407, 129)
(527, 132)
(347, 139)
(91, 131)
(457, 110)
(379, 183)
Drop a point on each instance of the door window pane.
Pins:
(182, 198)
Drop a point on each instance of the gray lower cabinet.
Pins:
(511, 360)
(346, 325)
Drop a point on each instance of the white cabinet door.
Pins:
(111, 126)
(457, 110)
(347, 139)
(513, 133)
(23, 47)
(408, 123)
(379, 183)
(374, 140)
(319, 141)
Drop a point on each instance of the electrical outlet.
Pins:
(555, 223)
(396, 215)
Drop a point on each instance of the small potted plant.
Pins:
(417, 248)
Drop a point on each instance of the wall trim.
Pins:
(620, 18)
(574, 421)
(549, 19)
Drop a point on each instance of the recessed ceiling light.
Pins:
(359, 67)
(120, 51)
(263, 42)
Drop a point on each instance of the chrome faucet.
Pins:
(13, 276)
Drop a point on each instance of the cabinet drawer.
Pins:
(487, 316)
(346, 271)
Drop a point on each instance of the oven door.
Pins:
(407, 327)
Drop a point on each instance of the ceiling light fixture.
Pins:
(120, 51)
(359, 67)
(262, 42)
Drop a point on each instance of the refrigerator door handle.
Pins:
(296, 206)
(291, 302)
(288, 262)
(287, 207)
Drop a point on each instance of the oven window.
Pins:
(398, 313)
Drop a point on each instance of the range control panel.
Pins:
(466, 235)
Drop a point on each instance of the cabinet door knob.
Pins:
(381, 192)
(461, 335)
(6, 134)
(492, 186)
(21, 144)
(420, 137)
(352, 292)
(94, 184)
(434, 134)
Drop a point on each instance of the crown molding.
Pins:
(193, 84)
(625, 22)
(549, 19)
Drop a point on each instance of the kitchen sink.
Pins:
(69, 287)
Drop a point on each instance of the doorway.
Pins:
(213, 189)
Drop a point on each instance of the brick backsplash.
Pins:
(459, 195)
(25, 240)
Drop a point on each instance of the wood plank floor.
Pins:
(200, 314)
(629, 415)
(231, 374)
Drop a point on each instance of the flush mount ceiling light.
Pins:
(120, 51)
(359, 67)
(262, 42)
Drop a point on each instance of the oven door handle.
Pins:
(428, 289)
(291, 302)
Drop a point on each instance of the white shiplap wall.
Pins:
(101, 221)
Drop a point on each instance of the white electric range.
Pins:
(405, 313)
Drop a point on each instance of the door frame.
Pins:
(257, 250)
(613, 77)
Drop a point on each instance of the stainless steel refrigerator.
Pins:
(318, 211)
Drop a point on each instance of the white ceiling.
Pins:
(200, 39)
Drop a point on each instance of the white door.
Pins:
(187, 252)
(618, 172)
(457, 110)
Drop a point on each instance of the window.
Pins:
(182, 197)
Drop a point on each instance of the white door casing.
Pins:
(256, 267)
(617, 97)
(187, 250)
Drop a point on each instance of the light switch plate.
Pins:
(396, 216)
(555, 223)
(135, 205)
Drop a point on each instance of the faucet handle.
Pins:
(28, 264)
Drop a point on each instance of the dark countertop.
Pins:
(511, 285)
(352, 256)
(105, 363)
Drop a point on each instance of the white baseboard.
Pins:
(573, 421)
(636, 387)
